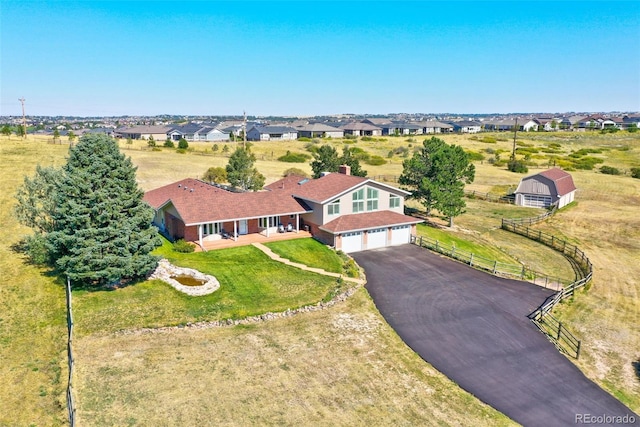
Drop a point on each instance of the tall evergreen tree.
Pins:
(436, 176)
(102, 228)
(241, 173)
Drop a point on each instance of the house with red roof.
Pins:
(347, 212)
(544, 189)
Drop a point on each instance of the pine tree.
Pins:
(102, 232)
(436, 176)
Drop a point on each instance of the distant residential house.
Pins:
(434, 126)
(197, 132)
(466, 126)
(159, 133)
(630, 120)
(361, 129)
(571, 122)
(401, 128)
(319, 130)
(548, 124)
(272, 133)
(376, 121)
(544, 189)
(510, 124)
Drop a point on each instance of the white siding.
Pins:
(377, 238)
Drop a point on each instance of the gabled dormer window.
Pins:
(358, 200)
(334, 207)
(394, 201)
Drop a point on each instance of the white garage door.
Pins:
(377, 238)
(537, 201)
(400, 234)
(352, 242)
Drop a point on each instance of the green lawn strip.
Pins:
(309, 252)
(250, 284)
(450, 239)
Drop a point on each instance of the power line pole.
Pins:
(24, 119)
(515, 132)
(244, 131)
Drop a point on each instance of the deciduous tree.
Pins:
(241, 173)
(326, 159)
(217, 175)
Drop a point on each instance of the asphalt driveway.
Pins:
(473, 327)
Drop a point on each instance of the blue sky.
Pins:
(301, 58)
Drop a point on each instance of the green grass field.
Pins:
(343, 365)
(309, 252)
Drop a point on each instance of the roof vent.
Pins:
(191, 190)
(324, 174)
(179, 185)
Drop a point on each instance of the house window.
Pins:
(394, 201)
(269, 221)
(211, 228)
(358, 200)
(334, 207)
(372, 199)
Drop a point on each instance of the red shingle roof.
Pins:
(322, 189)
(366, 221)
(198, 202)
(563, 180)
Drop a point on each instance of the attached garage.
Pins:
(377, 238)
(352, 242)
(400, 234)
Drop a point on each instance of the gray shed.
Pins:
(551, 187)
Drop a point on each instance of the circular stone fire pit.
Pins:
(194, 283)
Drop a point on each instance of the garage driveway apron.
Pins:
(473, 327)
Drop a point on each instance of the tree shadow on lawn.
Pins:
(636, 368)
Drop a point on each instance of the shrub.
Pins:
(294, 157)
(586, 163)
(348, 136)
(183, 144)
(474, 156)
(635, 173)
(489, 150)
(488, 140)
(609, 170)
(311, 147)
(517, 166)
(295, 171)
(304, 139)
(367, 138)
(375, 161)
(169, 144)
(183, 246)
(181, 151)
(156, 149)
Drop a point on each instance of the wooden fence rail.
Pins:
(583, 268)
(498, 268)
(70, 403)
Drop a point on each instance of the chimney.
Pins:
(344, 170)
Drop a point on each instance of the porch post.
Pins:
(268, 224)
(200, 235)
(235, 230)
(297, 222)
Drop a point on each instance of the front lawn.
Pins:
(250, 284)
(309, 252)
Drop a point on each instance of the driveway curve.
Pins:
(473, 327)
